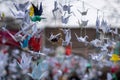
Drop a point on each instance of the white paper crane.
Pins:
(114, 31)
(3, 62)
(18, 14)
(97, 57)
(67, 33)
(96, 43)
(54, 38)
(22, 7)
(82, 39)
(104, 47)
(25, 62)
(24, 16)
(84, 12)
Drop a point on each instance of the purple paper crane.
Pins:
(66, 8)
(65, 19)
(55, 8)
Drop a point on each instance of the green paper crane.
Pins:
(37, 18)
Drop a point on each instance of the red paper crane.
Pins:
(6, 39)
(35, 43)
(68, 50)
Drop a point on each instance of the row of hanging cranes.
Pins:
(102, 30)
(28, 32)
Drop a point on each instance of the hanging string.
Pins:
(83, 6)
(85, 3)
(80, 28)
(97, 25)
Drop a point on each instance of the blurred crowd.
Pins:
(62, 67)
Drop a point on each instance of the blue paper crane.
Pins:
(24, 43)
(39, 71)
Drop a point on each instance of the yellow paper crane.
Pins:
(31, 13)
(115, 58)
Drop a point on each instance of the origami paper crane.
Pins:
(97, 24)
(97, 57)
(54, 38)
(25, 62)
(18, 15)
(115, 58)
(83, 13)
(31, 11)
(25, 43)
(35, 43)
(38, 11)
(84, 23)
(104, 47)
(66, 8)
(67, 33)
(39, 71)
(3, 62)
(96, 43)
(55, 8)
(104, 26)
(65, 18)
(19, 38)
(12, 66)
(37, 18)
(114, 31)
(24, 16)
(23, 40)
(82, 39)
(27, 29)
(22, 7)
(7, 39)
